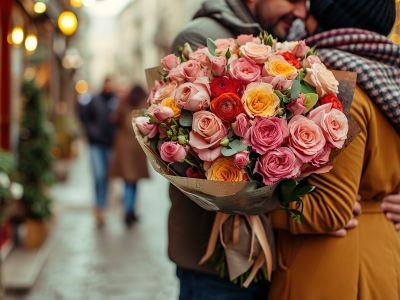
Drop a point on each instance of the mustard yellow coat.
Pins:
(366, 263)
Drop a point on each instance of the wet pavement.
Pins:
(111, 263)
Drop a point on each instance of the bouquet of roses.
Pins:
(229, 122)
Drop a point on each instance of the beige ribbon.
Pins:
(258, 235)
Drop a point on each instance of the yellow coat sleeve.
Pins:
(329, 207)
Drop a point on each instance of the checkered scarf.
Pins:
(373, 57)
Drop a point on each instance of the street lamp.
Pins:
(67, 22)
(17, 35)
(31, 42)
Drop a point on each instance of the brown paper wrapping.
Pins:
(241, 224)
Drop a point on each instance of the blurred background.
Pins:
(54, 56)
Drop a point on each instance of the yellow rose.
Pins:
(259, 100)
(223, 169)
(277, 65)
(170, 102)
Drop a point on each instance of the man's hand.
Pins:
(391, 207)
(353, 221)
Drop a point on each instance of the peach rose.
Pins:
(333, 123)
(172, 152)
(170, 102)
(169, 62)
(207, 132)
(241, 125)
(192, 96)
(145, 127)
(244, 69)
(246, 38)
(322, 78)
(300, 49)
(279, 83)
(276, 65)
(165, 91)
(256, 52)
(278, 164)
(306, 138)
(223, 169)
(160, 113)
(260, 100)
(310, 60)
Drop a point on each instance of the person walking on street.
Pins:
(99, 129)
(128, 159)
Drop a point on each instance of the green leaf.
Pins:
(306, 88)
(286, 188)
(186, 118)
(211, 46)
(310, 100)
(295, 89)
(304, 190)
(282, 97)
(234, 147)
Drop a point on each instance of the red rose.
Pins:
(221, 85)
(332, 98)
(227, 106)
(291, 59)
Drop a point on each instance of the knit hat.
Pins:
(378, 16)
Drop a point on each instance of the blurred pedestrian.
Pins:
(99, 129)
(128, 161)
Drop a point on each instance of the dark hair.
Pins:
(136, 96)
(378, 16)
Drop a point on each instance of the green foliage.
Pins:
(211, 46)
(34, 152)
(7, 168)
(234, 147)
(291, 191)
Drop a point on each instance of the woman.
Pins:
(365, 264)
(128, 161)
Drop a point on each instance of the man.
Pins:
(190, 225)
(99, 128)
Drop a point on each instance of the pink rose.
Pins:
(279, 82)
(297, 106)
(160, 112)
(165, 91)
(207, 132)
(306, 138)
(192, 96)
(200, 56)
(267, 134)
(310, 60)
(333, 123)
(169, 62)
(323, 157)
(300, 49)
(277, 164)
(245, 70)
(145, 127)
(322, 78)
(218, 65)
(172, 152)
(222, 46)
(246, 38)
(176, 74)
(191, 70)
(256, 52)
(150, 99)
(241, 125)
(241, 159)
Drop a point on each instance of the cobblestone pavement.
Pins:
(112, 263)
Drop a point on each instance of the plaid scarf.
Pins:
(373, 57)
